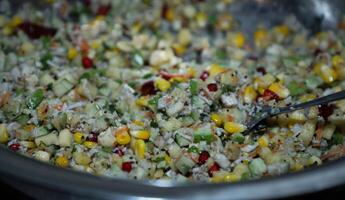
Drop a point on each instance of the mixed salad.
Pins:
(163, 90)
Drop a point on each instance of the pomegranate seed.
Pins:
(204, 75)
(215, 167)
(92, 137)
(87, 62)
(103, 10)
(35, 31)
(261, 70)
(148, 88)
(317, 52)
(119, 152)
(203, 157)
(127, 166)
(212, 87)
(164, 11)
(269, 95)
(15, 146)
(326, 110)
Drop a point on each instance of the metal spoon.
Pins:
(254, 122)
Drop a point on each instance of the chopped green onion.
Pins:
(193, 87)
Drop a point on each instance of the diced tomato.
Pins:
(203, 157)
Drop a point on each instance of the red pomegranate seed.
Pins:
(212, 87)
(203, 157)
(87, 62)
(119, 152)
(215, 167)
(261, 70)
(164, 11)
(127, 166)
(15, 146)
(103, 10)
(269, 95)
(35, 31)
(204, 75)
(148, 88)
(92, 137)
(326, 110)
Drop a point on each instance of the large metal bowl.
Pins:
(44, 181)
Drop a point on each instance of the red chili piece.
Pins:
(92, 137)
(148, 88)
(87, 62)
(35, 31)
(269, 95)
(212, 87)
(326, 110)
(15, 146)
(203, 157)
(215, 167)
(204, 75)
(127, 166)
(103, 10)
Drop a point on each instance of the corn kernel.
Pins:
(122, 136)
(27, 47)
(79, 137)
(233, 127)
(81, 158)
(328, 74)
(28, 127)
(15, 21)
(216, 69)
(4, 136)
(282, 29)
(140, 148)
(201, 19)
(90, 144)
(162, 84)
(314, 160)
(280, 90)
(7, 30)
(217, 179)
(62, 161)
(249, 94)
(231, 177)
(191, 72)
(239, 40)
(179, 49)
(337, 60)
(142, 101)
(167, 159)
(261, 37)
(138, 123)
(96, 44)
(184, 37)
(216, 119)
(140, 134)
(72, 53)
(297, 167)
(307, 97)
(263, 141)
(297, 117)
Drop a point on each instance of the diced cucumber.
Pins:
(38, 132)
(47, 140)
(204, 134)
(193, 87)
(238, 137)
(257, 167)
(23, 119)
(184, 164)
(35, 99)
(181, 140)
(60, 121)
(62, 87)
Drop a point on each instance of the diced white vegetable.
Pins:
(62, 87)
(229, 100)
(106, 138)
(65, 138)
(47, 140)
(308, 132)
(42, 156)
(328, 131)
(175, 108)
(222, 160)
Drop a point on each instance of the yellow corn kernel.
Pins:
(140, 148)
(297, 117)
(191, 72)
(233, 127)
(280, 90)
(78, 137)
(217, 178)
(140, 134)
(122, 136)
(167, 159)
(249, 94)
(142, 101)
(4, 136)
(7, 30)
(28, 144)
(138, 123)
(261, 37)
(282, 29)
(216, 69)
(15, 21)
(81, 158)
(62, 161)
(281, 78)
(216, 119)
(72, 53)
(179, 49)
(231, 177)
(162, 84)
(297, 167)
(314, 160)
(201, 19)
(96, 44)
(263, 141)
(178, 79)
(307, 97)
(90, 144)
(27, 47)
(239, 40)
(184, 37)
(328, 74)
(28, 127)
(337, 60)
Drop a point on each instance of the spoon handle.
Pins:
(319, 101)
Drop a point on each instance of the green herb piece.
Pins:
(203, 134)
(296, 89)
(338, 138)
(193, 87)
(193, 149)
(238, 137)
